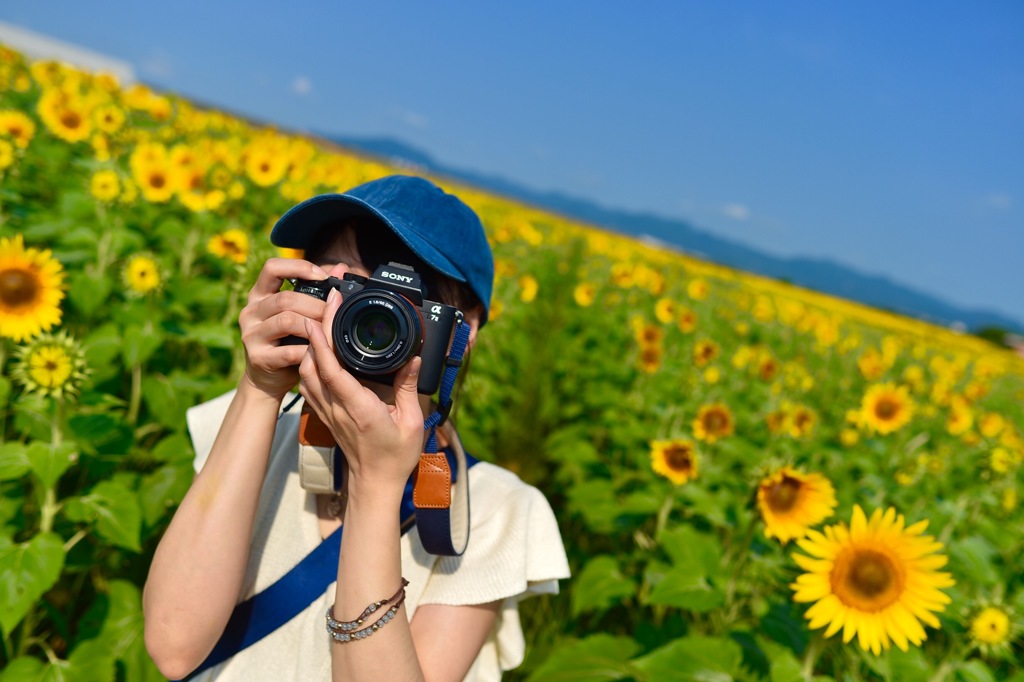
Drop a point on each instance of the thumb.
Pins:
(406, 384)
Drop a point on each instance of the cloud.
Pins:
(998, 201)
(736, 211)
(410, 118)
(302, 85)
(157, 65)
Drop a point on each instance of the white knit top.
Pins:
(515, 550)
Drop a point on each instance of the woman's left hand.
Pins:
(382, 442)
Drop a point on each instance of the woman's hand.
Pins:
(382, 442)
(270, 315)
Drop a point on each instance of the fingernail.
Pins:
(332, 296)
(319, 272)
(309, 327)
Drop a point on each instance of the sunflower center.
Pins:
(886, 408)
(18, 288)
(784, 494)
(157, 180)
(679, 458)
(867, 579)
(71, 119)
(715, 421)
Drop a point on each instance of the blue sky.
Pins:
(887, 136)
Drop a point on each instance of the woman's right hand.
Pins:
(269, 316)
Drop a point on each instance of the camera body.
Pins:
(384, 321)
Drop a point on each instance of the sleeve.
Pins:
(204, 422)
(515, 549)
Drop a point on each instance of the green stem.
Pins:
(188, 253)
(135, 400)
(663, 513)
(814, 648)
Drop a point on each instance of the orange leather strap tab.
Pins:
(433, 486)
(312, 431)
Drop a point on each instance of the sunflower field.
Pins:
(753, 481)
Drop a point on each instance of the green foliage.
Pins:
(590, 357)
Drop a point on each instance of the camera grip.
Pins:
(312, 430)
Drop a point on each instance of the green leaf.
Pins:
(688, 547)
(594, 659)
(101, 433)
(5, 390)
(595, 501)
(213, 335)
(102, 345)
(91, 661)
(974, 671)
(140, 342)
(23, 669)
(700, 659)
(685, 587)
(600, 585)
(163, 489)
(88, 293)
(163, 401)
(27, 571)
(175, 447)
(115, 509)
(974, 558)
(13, 461)
(49, 463)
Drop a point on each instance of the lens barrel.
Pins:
(377, 331)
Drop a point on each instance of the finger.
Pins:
(336, 378)
(329, 313)
(407, 398)
(276, 270)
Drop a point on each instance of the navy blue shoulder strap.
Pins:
(261, 614)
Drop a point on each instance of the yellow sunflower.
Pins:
(676, 460)
(584, 294)
(30, 289)
(648, 334)
(528, 288)
(875, 579)
(687, 320)
(704, 351)
(665, 310)
(886, 408)
(650, 357)
(66, 117)
(992, 628)
(802, 421)
(6, 154)
(51, 365)
(791, 502)
(154, 181)
(231, 244)
(265, 166)
(18, 126)
(713, 421)
(104, 185)
(697, 289)
(109, 118)
(141, 274)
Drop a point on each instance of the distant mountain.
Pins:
(818, 274)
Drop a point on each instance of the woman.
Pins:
(246, 522)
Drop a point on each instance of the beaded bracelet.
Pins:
(346, 631)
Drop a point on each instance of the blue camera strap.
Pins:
(263, 613)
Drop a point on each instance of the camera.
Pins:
(384, 321)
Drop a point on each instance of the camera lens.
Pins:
(375, 329)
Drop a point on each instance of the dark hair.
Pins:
(378, 245)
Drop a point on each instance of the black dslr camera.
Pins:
(384, 321)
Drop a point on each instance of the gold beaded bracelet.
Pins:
(347, 631)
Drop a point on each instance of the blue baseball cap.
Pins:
(438, 227)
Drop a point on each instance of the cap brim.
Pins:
(299, 225)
